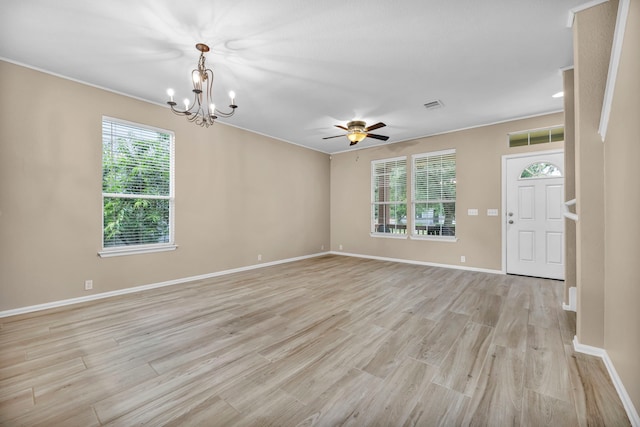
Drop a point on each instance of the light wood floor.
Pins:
(326, 341)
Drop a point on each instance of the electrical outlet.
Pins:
(259, 257)
(88, 285)
(463, 258)
(340, 247)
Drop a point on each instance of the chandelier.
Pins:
(201, 110)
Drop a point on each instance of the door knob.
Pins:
(510, 213)
(510, 221)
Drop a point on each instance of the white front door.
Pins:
(534, 220)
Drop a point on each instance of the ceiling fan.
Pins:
(358, 130)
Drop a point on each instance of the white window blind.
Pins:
(389, 196)
(434, 194)
(137, 185)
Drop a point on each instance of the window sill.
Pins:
(447, 239)
(107, 253)
(389, 235)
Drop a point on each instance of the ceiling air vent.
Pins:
(432, 105)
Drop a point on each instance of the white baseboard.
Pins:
(572, 306)
(632, 413)
(62, 303)
(428, 264)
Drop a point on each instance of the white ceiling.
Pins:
(300, 67)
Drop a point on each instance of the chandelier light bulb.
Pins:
(186, 104)
(170, 92)
(212, 109)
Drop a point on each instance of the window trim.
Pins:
(412, 234)
(106, 252)
(373, 233)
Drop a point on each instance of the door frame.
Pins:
(503, 217)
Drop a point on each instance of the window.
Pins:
(539, 136)
(389, 196)
(434, 194)
(137, 188)
(541, 170)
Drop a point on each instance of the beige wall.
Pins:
(608, 232)
(479, 161)
(593, 34)
(235, 196)
(622, 208)
(569, 182)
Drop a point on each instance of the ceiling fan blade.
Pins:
(341, 127)
(374, 127)
(353, 143)
(380, 137)
(329, 137)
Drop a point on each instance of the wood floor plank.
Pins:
(79, 417)
(311, 381)
(91, 384)
(435, 307)
(567, 322)
(498, 397)
(488, 308)
(272, 410)
(302, 337)
(244, 393)
(396, 346)
(336, 404)
(208, 346)
(540, 410)
(324, 341)
(546, 370)
(519, 294)
(396, 397)
(211, 412)
(182, 389)
(15, 403)
(595, 398)
(542, 312)
(40, 374)
(438, 406)
(72, 348)
(20, 370)
(155, 348)
(461, 368)
(512, 327)
(433, 348)
(58, 402)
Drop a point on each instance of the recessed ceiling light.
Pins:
(558, 95)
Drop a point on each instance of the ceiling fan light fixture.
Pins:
(356, 136)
